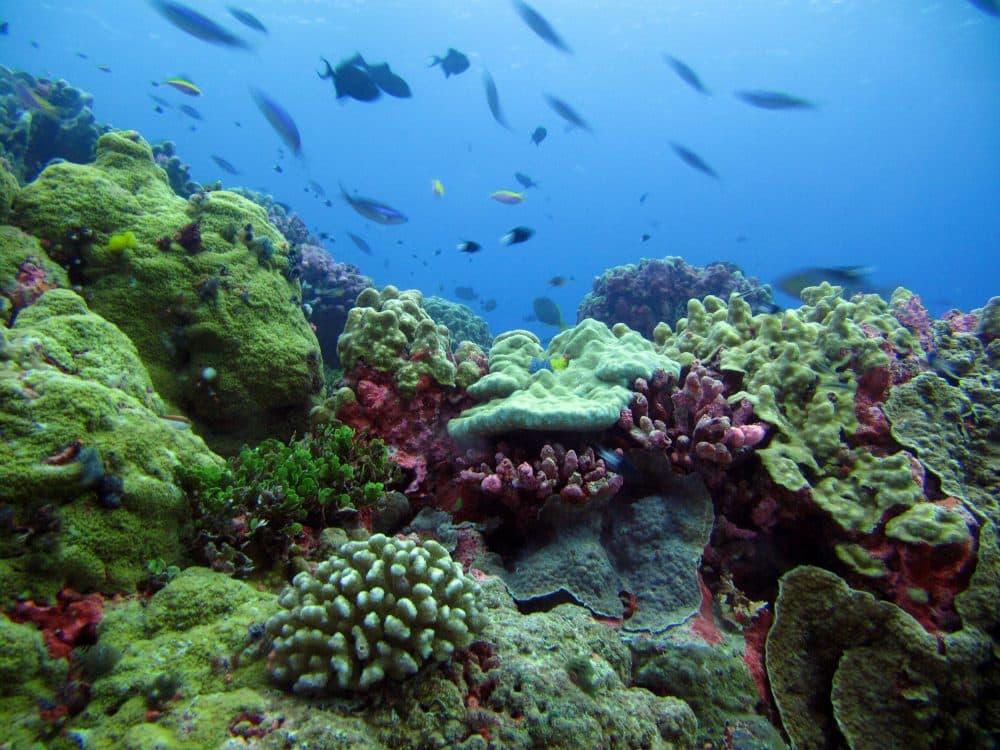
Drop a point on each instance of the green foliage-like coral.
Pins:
(259, 501)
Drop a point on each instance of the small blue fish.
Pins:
(686, 74)
(566, 112)
(194, 23)
(493, 99)
(692, 159)
(539, 364)
(375, 210)
(360, 242)
(191, 112)
(279, 119)
(774, 100)
(224, 165)
(537, 23)
(247, 19)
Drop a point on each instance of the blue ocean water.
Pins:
(897, 167)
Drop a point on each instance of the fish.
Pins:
(194, 23)
(992, 7)
(453, 62)
(537, 23)
(538, 135)
(644, 238)
(82, 55)
(279, 119)
(493, 99)
(468, 246)
(692, 159)
(548, 312)
(559, 280)
(489, 305)
(517, 235)
(158, 109)
(566, 112)
(526, 182)
(466, 292)
(508, 197)
(328, 203)
(351, 80)
(774, 100)
(224, 165)
(247, 18)
(388, 81)
(277, 168)
(31, 100)
(853, 279)
(437, 188)
(184, 86)
(360, 242)
(687, 75)
(642, 198)
(104, 68)
(160, 100)
(191, 112)
(375, 210)
(5, 28)
(317, 188)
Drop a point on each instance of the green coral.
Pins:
(587, 395)
(8, 190)
(800, 370)
(67, 375)
(462, 323)
(375, 610)
(277, 487)
(390, 331)
(220, 307)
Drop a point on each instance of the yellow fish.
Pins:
(184, 86)
(559, 363)
(437, 188)
(507, 196)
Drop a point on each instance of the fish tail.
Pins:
(435, 60)
(329, 70)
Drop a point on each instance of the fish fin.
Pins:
(857, 272)
(329, 70)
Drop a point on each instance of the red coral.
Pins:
(703, 623)
(70, 622)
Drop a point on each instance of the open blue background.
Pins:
(899, 167)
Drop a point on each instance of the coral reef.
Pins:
(89, 455)
(657, 291)
(375, 610)
(178, 172)
(329, 289)
(43, 120)
(229, 309)
(462, 323)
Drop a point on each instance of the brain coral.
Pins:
(375, 610)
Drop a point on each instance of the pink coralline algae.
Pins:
(911, 314)
(694, 424)
(522, 487)
(658, 290)
(30, 283)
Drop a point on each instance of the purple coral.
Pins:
(330, 289)
(658, 291)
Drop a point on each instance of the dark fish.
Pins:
(453, 62)
(642, 198)
(686, 74)
(35, 44)
(537, 23)
(644, 238)
(987, 6)
(692, 159)
(317, 188)
(279, 119)
(277, 168)
(360, 242)
(104, 68)
(538, 135)
(559, 280)
(437, 252)
(224, 165)
(468, 246)
(160, 100)
(194, 23)
(517, 235)
(247, 19)
(351, 80)
(493, 99)
(853, 279)
(774, 100)
(158, 109)
(490, 305)
(548, 312)
(5, 28)
(566, 112)
(466, 292)
(526, 182)
(388, 81)
(191, 112)
(374, 210)
(328, 203)
(324, 235)
(81, 55)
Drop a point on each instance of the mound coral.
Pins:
(375, 610)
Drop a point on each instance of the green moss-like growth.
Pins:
(205, 300)
(800, 370)
(8, 189)
(585, 396)
(391, 331)
(87, 461)
(258, 503)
